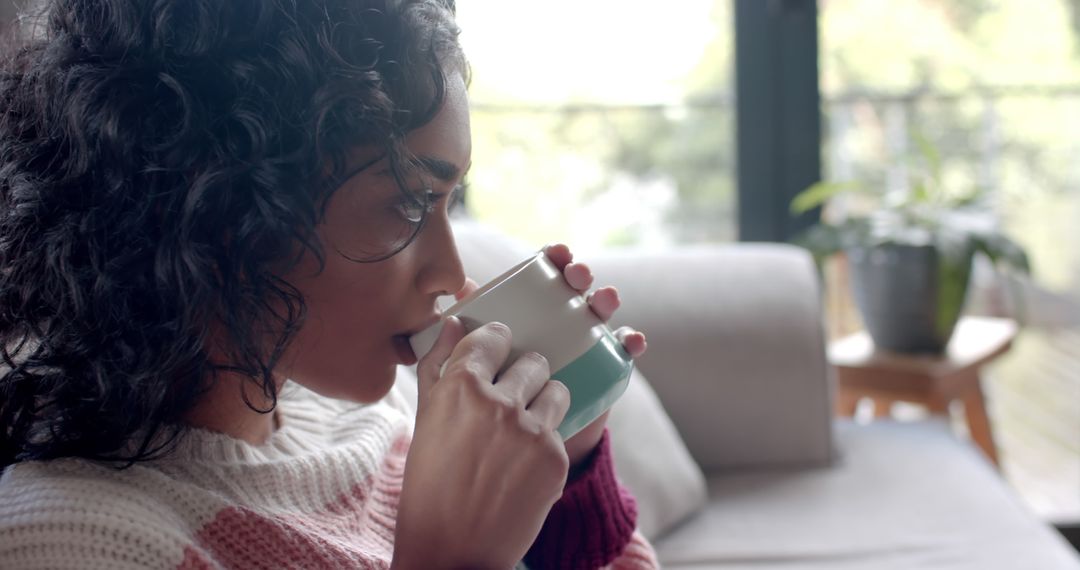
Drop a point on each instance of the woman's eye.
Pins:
(414, 211)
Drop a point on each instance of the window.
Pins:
(602, 123)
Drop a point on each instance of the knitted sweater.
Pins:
(321, 493)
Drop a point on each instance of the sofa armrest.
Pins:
(736, 348)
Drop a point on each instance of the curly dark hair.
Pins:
(159, 161)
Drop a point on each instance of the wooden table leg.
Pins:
(846, 402)
(977, 420)
(882, 407)
(937, 404)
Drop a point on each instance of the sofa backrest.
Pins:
(736, 342)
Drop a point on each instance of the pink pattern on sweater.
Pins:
(591, 526)
(354, 531)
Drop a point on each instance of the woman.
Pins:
(220, 223)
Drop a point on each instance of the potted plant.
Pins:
(910, 252)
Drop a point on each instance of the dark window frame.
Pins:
(778, 115)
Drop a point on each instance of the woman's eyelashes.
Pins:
(458, 193)
(413, 209)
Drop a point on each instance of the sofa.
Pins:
(726, 434)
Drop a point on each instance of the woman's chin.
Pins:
(368, 388)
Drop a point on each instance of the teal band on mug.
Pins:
(596, 380)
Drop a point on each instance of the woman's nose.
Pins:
(442, 272)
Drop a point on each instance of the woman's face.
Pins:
(359, 314)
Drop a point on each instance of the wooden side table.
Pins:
(933, 381)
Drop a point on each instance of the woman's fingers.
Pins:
(430, 366)
(551, 404)
(472, 357)
(559, 254)
(578, 276)
(604, 302)
(524, 379)
(632, 340)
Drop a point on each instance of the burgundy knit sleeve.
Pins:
(591, 524)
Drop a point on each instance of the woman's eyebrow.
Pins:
(441, 169)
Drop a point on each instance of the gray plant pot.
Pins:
(910, 297)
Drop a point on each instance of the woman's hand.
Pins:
(604, 302)
(486, 462)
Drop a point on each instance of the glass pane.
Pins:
(994, 87)
(601, 123)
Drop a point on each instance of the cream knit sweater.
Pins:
(322, 493)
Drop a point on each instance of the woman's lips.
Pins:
(401, 341)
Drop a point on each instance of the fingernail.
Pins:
(442, 325)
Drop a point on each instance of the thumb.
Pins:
(429, 369)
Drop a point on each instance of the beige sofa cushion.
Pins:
(652, 460)
(736, 349)
(901, 496)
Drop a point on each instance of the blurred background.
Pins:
(615, 123)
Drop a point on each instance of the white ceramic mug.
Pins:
(547, 316)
